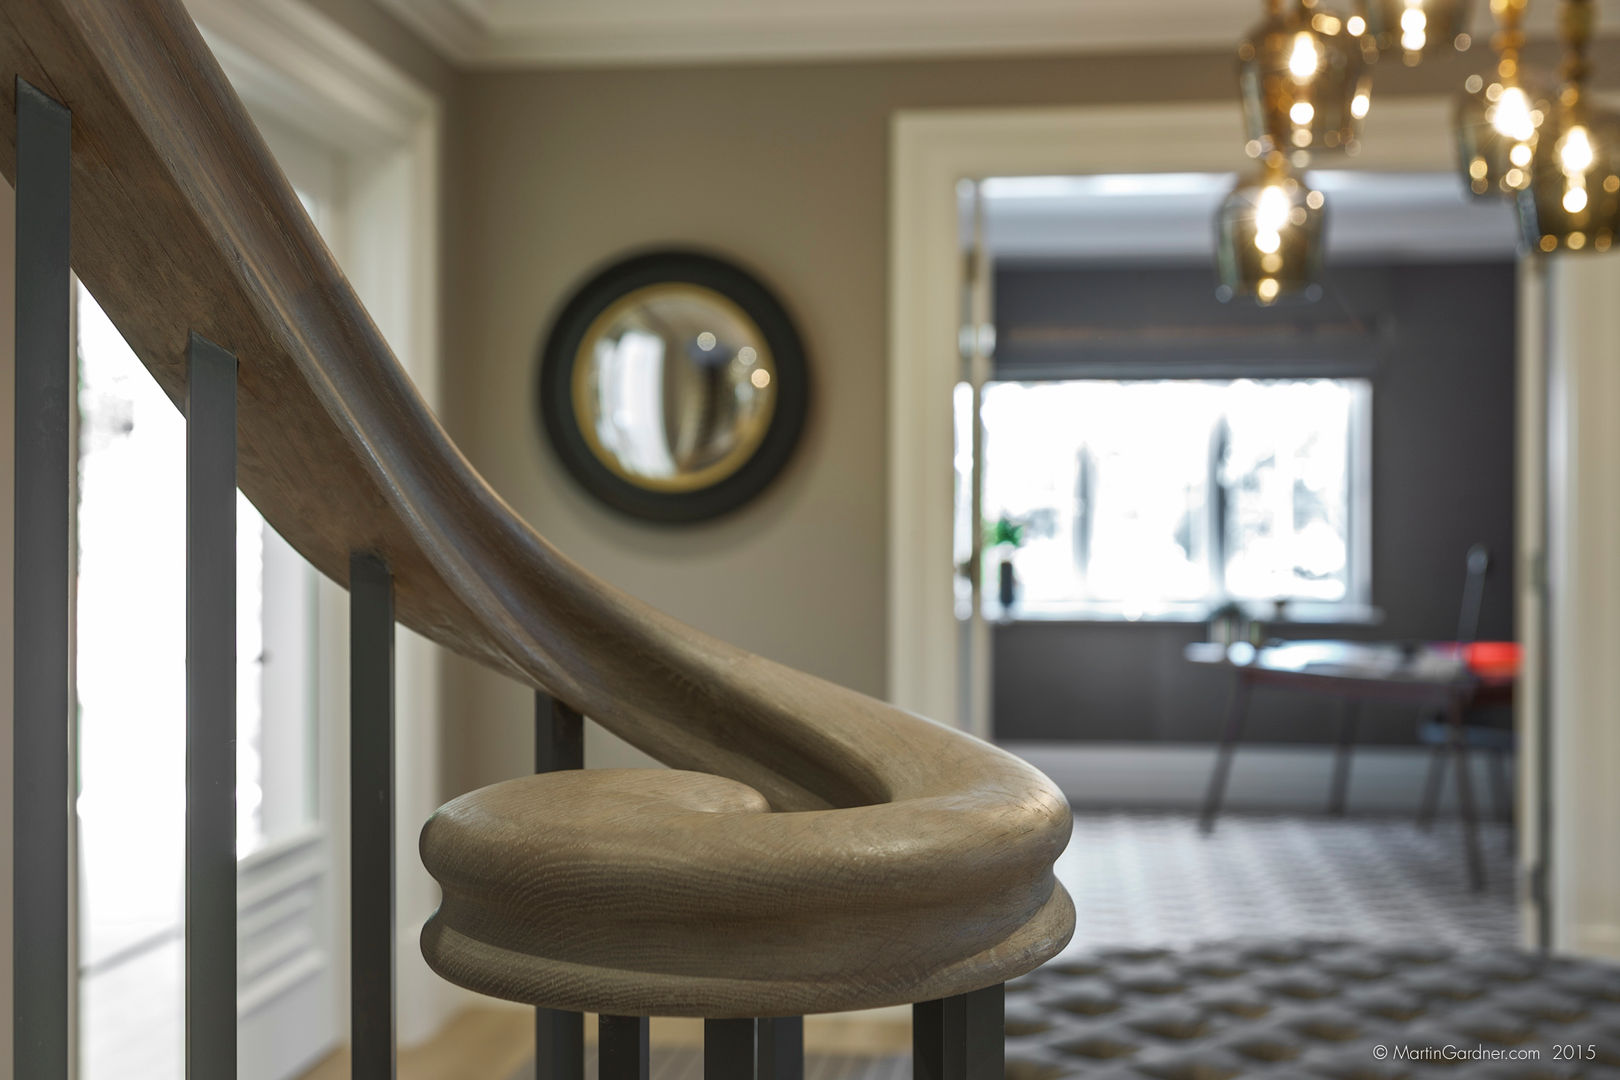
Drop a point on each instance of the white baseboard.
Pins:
(1383, 779)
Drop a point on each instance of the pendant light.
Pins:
(1303, 80)
(1573, 201)
(1269, 236)
(1499, 120)
(1414, 28)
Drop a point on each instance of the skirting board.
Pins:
(1383, 779)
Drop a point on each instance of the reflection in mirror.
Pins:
(674, 387)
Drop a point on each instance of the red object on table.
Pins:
(1493, 658)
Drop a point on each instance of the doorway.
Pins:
(938, 654)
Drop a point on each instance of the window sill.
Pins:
(1297, 614)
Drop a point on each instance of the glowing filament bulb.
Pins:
(1271, 209)
(1511, 114)
(1359, 105)
(1575, 151)
(1305, 59)
(1575, 199)
(1301, 113)
(1270, 217)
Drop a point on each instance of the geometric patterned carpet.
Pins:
(1153, 880)
(1279, 1010)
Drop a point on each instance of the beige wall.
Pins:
(784, 168)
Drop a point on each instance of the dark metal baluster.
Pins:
(928, 1040)
(41, 792)
(622, 1048)
(781, 1048)
(559, 1036)
(961, 1037)
(371, 814)
(984, 1034)
(728, 1049)
(559, 736)
(210, 711)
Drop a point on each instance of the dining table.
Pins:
(1447, 678)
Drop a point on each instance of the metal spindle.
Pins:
(729, 1048)
(780, 1045)
(210, 711)
(559, 1036)
(371, 816)
(961, 1037)
(41, 790)
(622, 1050)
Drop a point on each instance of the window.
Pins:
(1161, 498)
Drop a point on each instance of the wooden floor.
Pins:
(492, 1042)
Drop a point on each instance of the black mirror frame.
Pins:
(557, 373)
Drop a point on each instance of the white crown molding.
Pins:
(527, 33)
(460, 31)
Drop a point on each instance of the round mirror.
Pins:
(673, 386)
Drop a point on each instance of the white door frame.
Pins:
(930, 152)
(292, 63)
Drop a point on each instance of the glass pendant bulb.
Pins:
(1268, 235)
(1499, 118)
(1573, 199)
(1303, 79)
(1414, 28)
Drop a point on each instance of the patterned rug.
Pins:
(1153, 880)
(1288, 1010)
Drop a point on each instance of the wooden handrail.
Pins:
(840, 853)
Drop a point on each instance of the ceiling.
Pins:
(556, 33)
(1398, 217)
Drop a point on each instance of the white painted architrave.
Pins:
(295, 65)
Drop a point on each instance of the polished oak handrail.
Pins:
(817, 849)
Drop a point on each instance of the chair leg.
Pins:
(1432, 787)
(1465, 801)
(1501, 790)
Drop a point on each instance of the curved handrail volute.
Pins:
(854, 855)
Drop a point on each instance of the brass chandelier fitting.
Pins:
(1573, 199)
(1499, 121)
(1303, 80)
(1414, 28)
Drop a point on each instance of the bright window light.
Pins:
(1141, 497)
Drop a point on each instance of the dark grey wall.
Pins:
(1439, 346)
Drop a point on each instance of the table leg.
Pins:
(1465, 798)
(1341, 757)
(1236, 712)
